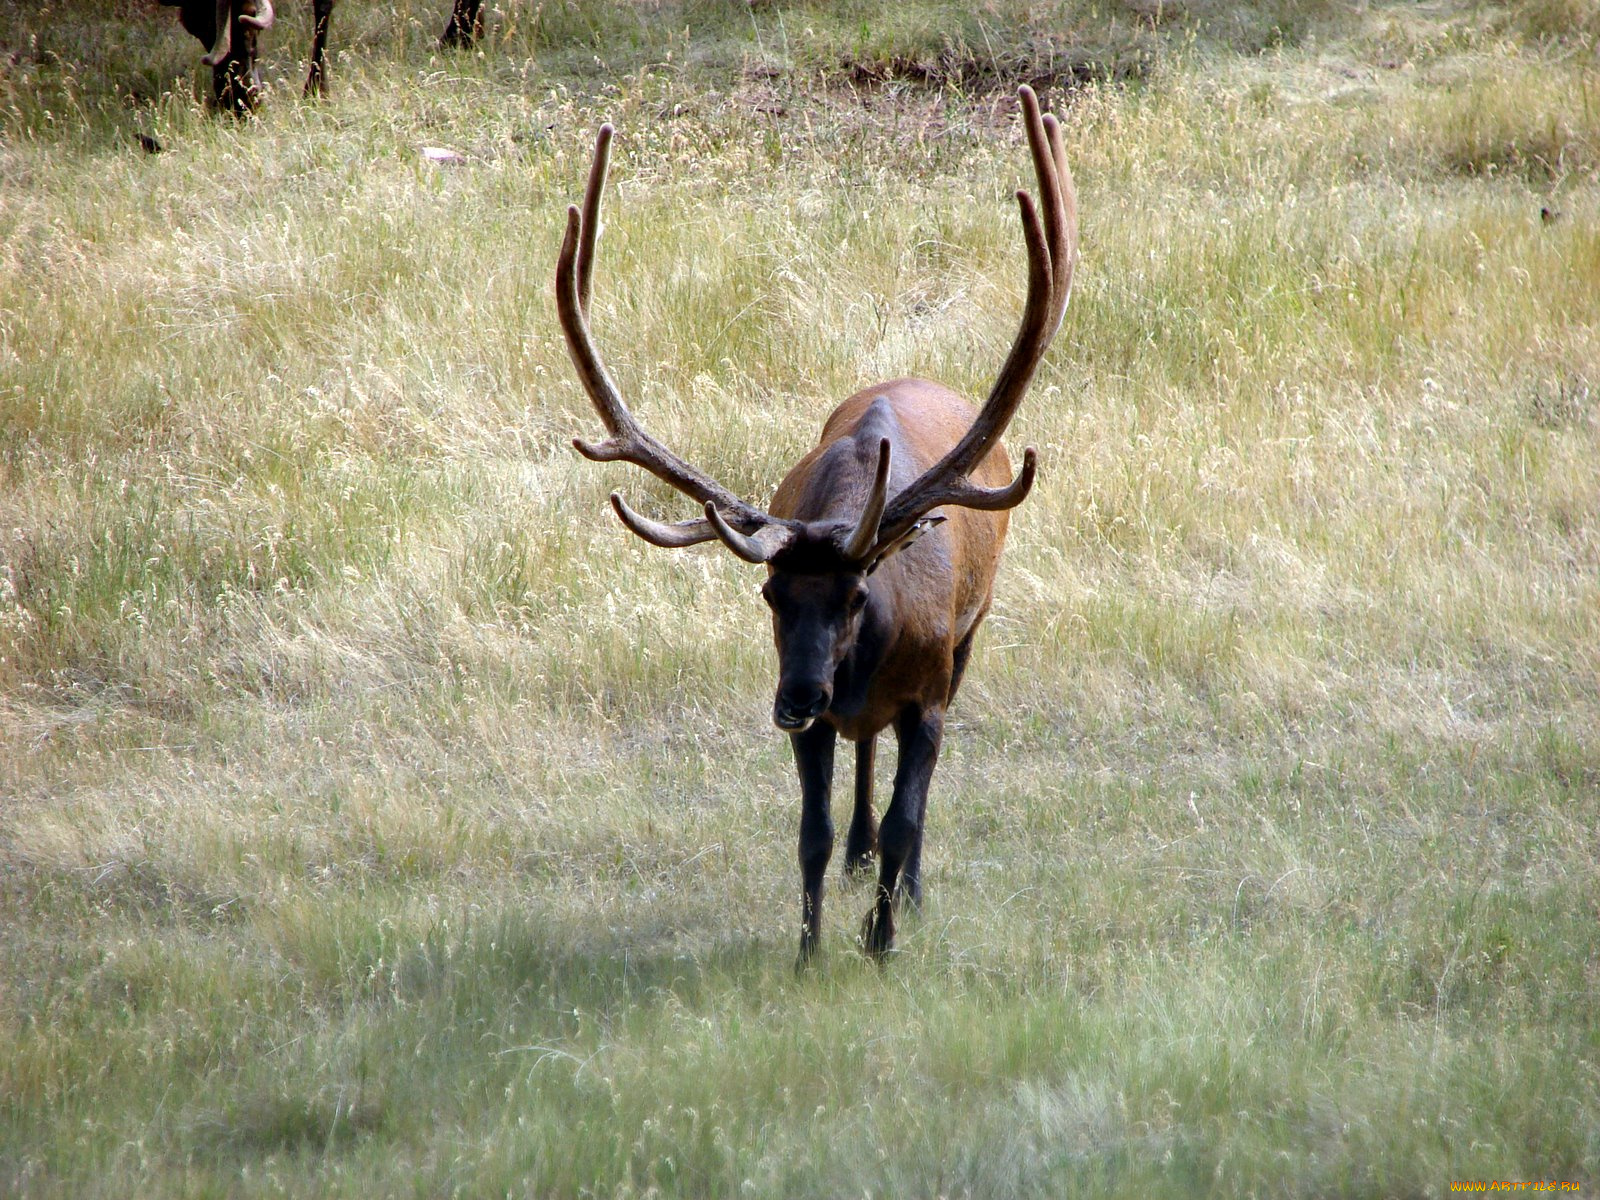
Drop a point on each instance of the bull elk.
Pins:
(875, 596)
(229, 28)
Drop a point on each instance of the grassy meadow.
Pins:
(378, 818)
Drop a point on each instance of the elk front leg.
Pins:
(900, 835)
(813, 756)
(862, 839)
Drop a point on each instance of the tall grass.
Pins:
(381, 819)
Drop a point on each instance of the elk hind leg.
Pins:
(963, 652)
(862, 839)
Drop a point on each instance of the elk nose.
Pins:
(795, 710)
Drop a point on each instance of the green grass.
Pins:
(377, 817)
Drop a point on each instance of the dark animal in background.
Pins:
(875, 597)
(229, 30)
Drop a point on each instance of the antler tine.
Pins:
(224, 39)
(1052, 246)
(756, 548)
(1063, 255)
(963, 493)
(591, 212)
(628, 442)
(865, 535)
(264, 16)
(657, 533)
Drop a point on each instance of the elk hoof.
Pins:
(877, 933)
(808, 952)
(857, 864)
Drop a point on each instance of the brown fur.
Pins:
(942, 586)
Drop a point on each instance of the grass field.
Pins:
(379, 818)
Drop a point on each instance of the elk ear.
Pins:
(888, 551)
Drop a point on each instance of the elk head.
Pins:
(228, 29)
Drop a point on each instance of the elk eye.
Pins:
(766, 594)
(858, 597)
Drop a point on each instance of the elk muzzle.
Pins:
(799, 704)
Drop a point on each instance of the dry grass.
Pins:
(380, 818)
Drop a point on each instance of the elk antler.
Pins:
(864, 537)
(1052, 253)
(263, 18)
(749, 532)
(224, 39)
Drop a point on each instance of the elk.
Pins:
(229, 28)
(880, 545)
